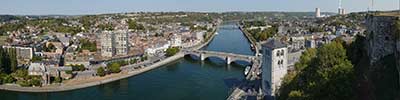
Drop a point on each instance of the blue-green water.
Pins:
(184, 79)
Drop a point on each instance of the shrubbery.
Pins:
(172, 51)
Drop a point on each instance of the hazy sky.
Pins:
(74, 7)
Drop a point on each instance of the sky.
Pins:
(78, 7)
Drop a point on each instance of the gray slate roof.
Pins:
(273, 43)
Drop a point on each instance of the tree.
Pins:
(327, 75)
(57, 80)
(134, 25)
(35, 82)
(49, 48)
(132, 61)
(36, 58)
(101, 72)
(8, 60)
(171, 51)
(79, 67)
(114, 67)
(20, 74)
(87, 45)
(305, 59)
(8, 79)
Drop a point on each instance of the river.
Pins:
(184, 79)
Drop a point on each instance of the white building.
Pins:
(107, 47)
(200, 35)
(36, 69)
(274, 66)
(114, 43)
(157, 48)
(121, 42)
(176, 41)
(317, 12)
(23, 53)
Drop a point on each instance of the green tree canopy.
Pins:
(328, 75)
(114, 67)
(101, 72)
(172, 51)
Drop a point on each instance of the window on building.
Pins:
(277, 53)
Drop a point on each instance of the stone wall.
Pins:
(382, 41)
(380, 37)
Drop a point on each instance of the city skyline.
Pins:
(77, 7)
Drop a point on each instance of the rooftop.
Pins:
(274, 43)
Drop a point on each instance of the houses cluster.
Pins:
(53, 53)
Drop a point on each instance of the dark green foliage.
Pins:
(30, 81)
(49, 48)
(20, 74)
(248, 24)
(106, 27)
(87, 45)
(121, 63)
(133, 25)
(305, 59)
(35, 82)
(8, 60)
(114, 67)
(171, 51)
(8, 79)
(68, 71)
(258, 34)
(143, 58)
(78, 67)
(101, 72)
(11, 27)
(327, 75)
(132, 61)
(57, 80)
(36, 58)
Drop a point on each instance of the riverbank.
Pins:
(250, 38)
(88, 82)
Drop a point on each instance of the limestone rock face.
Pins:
(380, 36)
(382, 39)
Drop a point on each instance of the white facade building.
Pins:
(154, 50)
(121, 42)
(114, 43)
(274, 66)
(176, 41)
(107, 47)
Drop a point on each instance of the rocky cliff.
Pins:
(383, 37)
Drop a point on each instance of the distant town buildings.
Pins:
(274, 66)
(341, 11)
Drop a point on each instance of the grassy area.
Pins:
(3, 40)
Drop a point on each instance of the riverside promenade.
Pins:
(74, 84)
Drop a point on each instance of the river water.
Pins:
(185, 79)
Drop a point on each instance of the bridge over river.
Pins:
(228, 57)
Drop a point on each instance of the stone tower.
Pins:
(274, 65)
